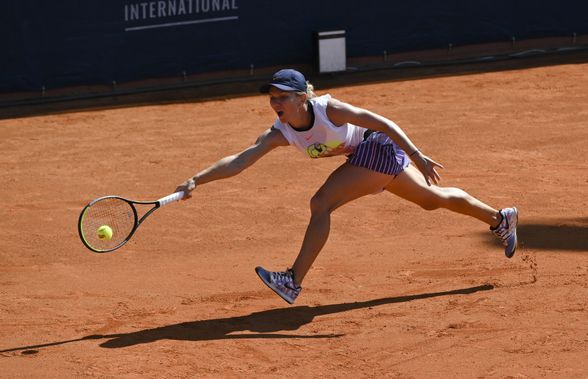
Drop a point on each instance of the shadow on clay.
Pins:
(569, 235)
(264, 324)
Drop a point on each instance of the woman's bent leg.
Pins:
(345, 184)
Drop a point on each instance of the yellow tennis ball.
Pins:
(104, 232)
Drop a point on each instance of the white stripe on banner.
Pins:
(172, 24)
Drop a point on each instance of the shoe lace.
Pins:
(501, 233)
(286, 278)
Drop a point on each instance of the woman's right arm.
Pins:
(234, 164)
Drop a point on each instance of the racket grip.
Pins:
(170, 198)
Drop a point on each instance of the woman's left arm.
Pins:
(340, 113)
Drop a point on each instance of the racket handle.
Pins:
(170, 198)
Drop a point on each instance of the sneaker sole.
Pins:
(263, 275)
(516, 244)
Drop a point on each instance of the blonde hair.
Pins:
(309, 91)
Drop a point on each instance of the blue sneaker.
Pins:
(507, 230)
(281, 283)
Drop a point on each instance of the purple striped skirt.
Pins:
(379, 153)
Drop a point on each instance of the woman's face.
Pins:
(287, 105)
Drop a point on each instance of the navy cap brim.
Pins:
(266, 87)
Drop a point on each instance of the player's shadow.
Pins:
(571, 235)
(264, 324)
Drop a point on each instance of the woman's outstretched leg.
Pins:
(411, 185)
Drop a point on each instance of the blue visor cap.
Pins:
(286, 80)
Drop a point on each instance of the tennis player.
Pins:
(380, 157)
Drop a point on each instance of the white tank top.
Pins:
(323, 139)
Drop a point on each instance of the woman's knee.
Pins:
(435, 200)
(444, 198)
(430, 204)
(320, 203)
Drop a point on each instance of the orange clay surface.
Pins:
(397, 291)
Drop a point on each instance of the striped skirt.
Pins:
(379, 153)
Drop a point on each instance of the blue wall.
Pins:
(72, 42)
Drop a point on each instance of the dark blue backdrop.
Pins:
(72, 42)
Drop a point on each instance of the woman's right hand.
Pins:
(187, 187)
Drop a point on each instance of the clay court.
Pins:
(397, 291)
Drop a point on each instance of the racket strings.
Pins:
(114, 213)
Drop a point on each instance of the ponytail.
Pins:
(310, 90)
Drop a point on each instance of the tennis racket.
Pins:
(108, 222)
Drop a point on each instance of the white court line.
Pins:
(527, 52)
(171, 24)
(408, 63)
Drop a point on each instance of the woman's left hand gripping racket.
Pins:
(109, 222)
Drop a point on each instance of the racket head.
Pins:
(117, 213)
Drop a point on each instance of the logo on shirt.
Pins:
(328, 149)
